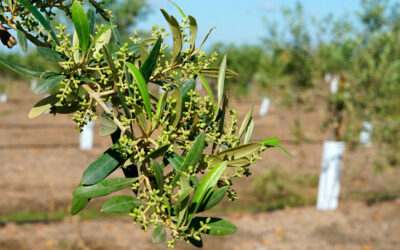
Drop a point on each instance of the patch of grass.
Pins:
(59, 215)
(278, 188)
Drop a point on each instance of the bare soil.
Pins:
(41, 164)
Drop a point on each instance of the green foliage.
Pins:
(160, 142)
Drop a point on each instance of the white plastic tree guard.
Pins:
(3, 98)
(264, 106)
(335, 84)
(86, 137)
(329, 179)
(365, 134)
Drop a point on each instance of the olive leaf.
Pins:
(81, 25)
(120, 204)
(103, 188)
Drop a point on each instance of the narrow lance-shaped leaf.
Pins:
(120, 204)
(240, 151)
(221, 80)
(249, 131)
(213, 200)
(51, 55)
(186, 86)
(151, 61)
(205, 84)
(81, 25)
(91, 20)
(23, 43)
(42, 106)
(177, 107)
(246, 122)
(206, 185)
(178, 8)
(103, 188)
(22, 69)
(48, 84)
(143, 48)
(142, 88)
(107, 126)
(272, 142)
(158, 172)
(102, 38)
(193, 31)
(159, 234)
(140, 118)
(78, 204)
(194, 154)
(176, 36)
(102, 167)
(43, 21)
(214, 72)
(216, 226)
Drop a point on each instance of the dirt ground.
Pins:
(40, 166)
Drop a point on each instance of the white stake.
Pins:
(264, 106)
(86, 137)
(3, 98)
(327, 78)
(329, 179)
(365, 134)
(335, 84)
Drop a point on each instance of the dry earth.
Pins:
(40, 166)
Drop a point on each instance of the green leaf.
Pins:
(177, 107)
(91, 20)
(75, 44)
(157, 152)
(159, 234)
(143, 48)
(196, 242)
(102, 38)
(205, 84)
(249, 131)
(276, 145)
(23, 43)
(120, 204)
(142, 85)
(176, 36)
(214, 73)
(151, 61)
(207, 185)
(193, 156)
(102, 167)
(104, 187)
(22, 69)
(107, 126)
(185, 87)
(161, 106)
(48, 84)
(51, 55)
(39, 17)
(110, 63)
(140, 118)
(78, 204)
(175, 160)
(216, 226)
(193, 31)
(221, 81)
(81, 25)
(158, 172)
(184, 194)
(246, 122)
(42, 106)
(178, 8)
(213, 200)
(239, 151)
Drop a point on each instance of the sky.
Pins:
(240, 21)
